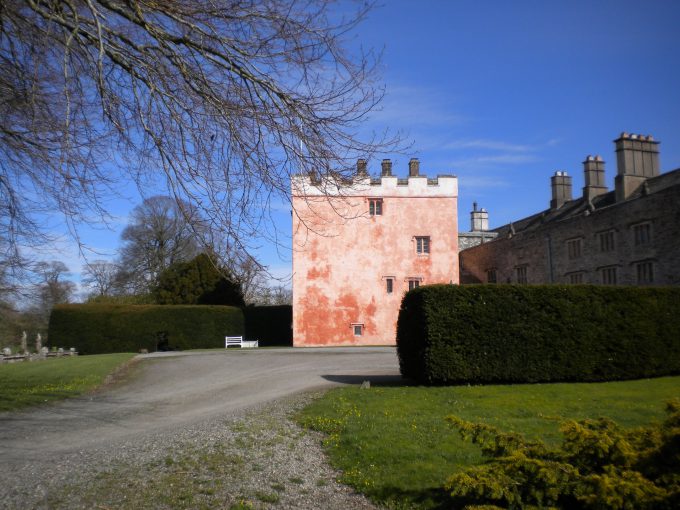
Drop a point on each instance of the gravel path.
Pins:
(194, 430)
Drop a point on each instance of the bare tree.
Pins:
(280, 295)
(160, 233)
(101, 276)
(54, 288)
(218, 102)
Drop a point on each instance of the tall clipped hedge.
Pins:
(518, 333)
(271, 325)
(97, 329)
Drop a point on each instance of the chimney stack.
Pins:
(479, 219)
(361, 168)
(386, 167)
(560, 184)
(593, 170)
(414, 167)
(637, 159)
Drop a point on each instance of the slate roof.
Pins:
(579, 206)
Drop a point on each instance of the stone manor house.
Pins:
(626, 236)
(359, 244)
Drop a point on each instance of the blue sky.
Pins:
(503, 93)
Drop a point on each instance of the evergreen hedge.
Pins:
(450, 334)
(97, 329)
(271, 325)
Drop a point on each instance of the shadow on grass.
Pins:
(430, 499)
(375, 380)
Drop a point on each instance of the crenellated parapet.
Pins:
(361, 184)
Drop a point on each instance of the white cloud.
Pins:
(495, 145)
(494, 160)
(407, 106)
(477, 182)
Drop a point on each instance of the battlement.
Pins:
(361, 184)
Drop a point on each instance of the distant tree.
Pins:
(101, 276)
(160, 233)
(122, 299)
(53, 288)
(272, 295)
(281, 295)
(197, 282)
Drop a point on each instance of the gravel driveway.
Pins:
(179, 409)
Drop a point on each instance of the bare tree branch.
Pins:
(220, 102)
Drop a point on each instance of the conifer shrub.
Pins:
(199, 281)
(98, 329)
(271, 325)
(598, 466)
(450, 334)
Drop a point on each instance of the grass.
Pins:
(393, 444)
(30, 383)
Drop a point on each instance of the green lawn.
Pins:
(393, 444)
(29, 383)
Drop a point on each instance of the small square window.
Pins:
(521, 274)
(375, 206)
(413, 283)
(606, 241)
(389, 285)
(423, 244)
(608, 275)
(645, 272)
(642, 234)
(576, 278)
(491, 276)
(358, 329)
(574, 248)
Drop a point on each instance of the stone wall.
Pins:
(543, 255)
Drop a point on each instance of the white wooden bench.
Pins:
(238, 340)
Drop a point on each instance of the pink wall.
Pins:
(342, 255)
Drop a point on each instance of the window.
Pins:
(375, 206)
(413, 283)
(389, 285)
(521, 274)
(608, 275)
(491, 276)
(606, 241)
(645, 272)
(574, 248)
(576, 278)
(642, 234)
(423, 244)
(358, 329)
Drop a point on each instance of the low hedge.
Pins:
(98, 329)
(271, 325)
(450, 334)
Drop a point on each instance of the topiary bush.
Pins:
(271, 325)
(598, 466)
(197, 282)
(518, 333)
(98, 329)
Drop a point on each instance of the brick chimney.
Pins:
(637, 159)
(479, 219)
(386, 167)
(414, 167)
(560, 184)
(593, 170)
(361, 168)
